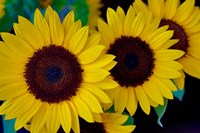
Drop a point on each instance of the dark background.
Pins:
(180, 117)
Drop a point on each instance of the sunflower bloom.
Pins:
(52, 72)
(94, 12)
(145, 65)
(2, 6)
(105, 123)
(184, 19)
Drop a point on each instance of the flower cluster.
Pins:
(64, 69)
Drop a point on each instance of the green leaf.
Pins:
(130, 120)
(8, 125)
(160, 111)
(179, 94)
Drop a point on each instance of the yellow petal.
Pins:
(19, 106)
(110, 65)
(110, 128)
(42, 26)
(115, 118)
(170, 8)
(95, 75)
(184, 10)
(93, 40)
(74, 115)
(114, 22)
(82, 109)
(97, 117)
(129, 19)
(65, 116)
(53, 119)
(27, 115)
(180, 82)
(70, 33)
(56, 29)
(102, 97)
(78, 40)
(137, 25)
(12, 90)
(120, 100)
(39, 119)
(166, 72)
(161, 39)
(140, 6)
(165, 91)
(169, 84)
(120, 13)
(102, 61)
(30, 34)
(107, 83)
(68, 20)
(156, 6)
(90, 100)
(191, 66)
(91, 54)
(132, 101)
(106, 32)
(168, 55)
(153, 92)
(149, 28)
(171, 64)
(156, 33)
(17, 45)
(143, 100)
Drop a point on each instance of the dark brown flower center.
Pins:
(135, 61)
(179, 33)
(53, 74)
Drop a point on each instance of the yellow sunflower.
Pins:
(184, 19)
(2, 6)
(106, 123)
(145, 65)
(94, 13)
(52, 72)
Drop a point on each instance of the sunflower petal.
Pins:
(65, 116)
(93, 75)
(39, 119)
(132, 102)
(53, 119)
(143, 100)
(83, 109)
(90, 100)
(91, 54)
(102, 97)
(74, 115)
(113, 21)
(78, 41)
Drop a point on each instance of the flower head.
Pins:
(2, 6)
(52, 72)
(105, 123)
(145, 65)
(184, 19)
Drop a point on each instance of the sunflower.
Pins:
(94, 12)
(106, 123)
(52, 72)
(145, 65)
(2, 6)
(184, 19)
